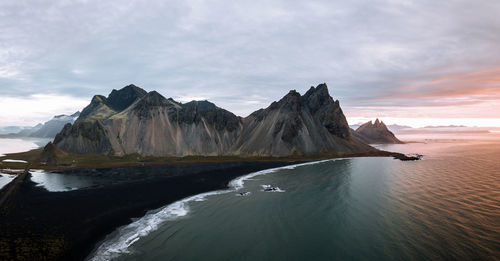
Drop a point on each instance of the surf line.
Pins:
(119, 242)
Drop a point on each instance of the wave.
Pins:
(239, 182)
(127, 235)
(118, 243)
(269, 188)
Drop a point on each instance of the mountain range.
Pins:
(48, 129)
(131, 120)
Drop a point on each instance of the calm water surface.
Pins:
(444, 207)
(5, 179)
(53, 182)
(20, 145)
(13, 146)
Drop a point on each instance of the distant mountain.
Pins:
(354, 126)
(376, 133)
(132, 120)
(48, 129)
(395, 128)
(13, 129)
(445, 126)
(448, 129)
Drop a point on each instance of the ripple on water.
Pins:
(445, 207)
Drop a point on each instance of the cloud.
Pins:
(447, 89)
(37, 108)
(369, 52)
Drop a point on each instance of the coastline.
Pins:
(37, 224)
(118, 242)
(71, 162)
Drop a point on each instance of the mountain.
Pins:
(377, 132)
(448, 129)
(50, 128)
(395, 128)
(12, 129)
(131, 120)
(444, 126)
(354, 126)
(310, 124)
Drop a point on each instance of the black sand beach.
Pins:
(39, 225)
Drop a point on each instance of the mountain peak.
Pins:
(153, 98)
(291, 101)
(120, 99)
(317, 97)
(376, 132)
(320, 90)
(200, 105)
(152, 125)
(132, 86)
(98, 99)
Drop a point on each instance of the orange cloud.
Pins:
(474, 94)
(483, 84)
(449, 89)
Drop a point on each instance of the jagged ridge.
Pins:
(132, 120)
(376, 133)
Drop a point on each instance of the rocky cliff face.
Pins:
(131, 120)
(310, 124)
(376, 133)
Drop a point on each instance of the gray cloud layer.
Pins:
(244, 54)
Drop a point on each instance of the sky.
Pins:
(410, 62)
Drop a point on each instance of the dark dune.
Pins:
(39, 225)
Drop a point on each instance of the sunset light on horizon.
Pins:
(438, 66)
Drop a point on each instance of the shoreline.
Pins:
(36, 223)
(69, 225)
(162, 214)
(86, 161)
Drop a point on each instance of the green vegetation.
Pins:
(71, 161)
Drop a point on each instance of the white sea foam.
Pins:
(239, 182)
(271, 188)
(242, 194)
(119, 242)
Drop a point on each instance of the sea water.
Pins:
(444, 207)
(13, 146)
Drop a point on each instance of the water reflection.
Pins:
(55, 182)
(5, 179)
(20, 145)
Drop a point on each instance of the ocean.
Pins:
(443, 207)
(17, 145)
